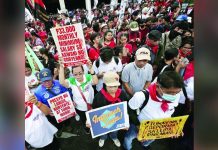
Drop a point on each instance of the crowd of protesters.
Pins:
(146, 56)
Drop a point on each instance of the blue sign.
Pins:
(108, 119)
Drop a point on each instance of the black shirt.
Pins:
(100, 100)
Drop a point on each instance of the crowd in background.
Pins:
(125, 57)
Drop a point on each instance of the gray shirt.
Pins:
(137, 77)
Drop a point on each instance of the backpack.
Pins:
(97, 63)
(133, 114)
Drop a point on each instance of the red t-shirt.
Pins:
(93, 54)
(111, 44)
(43, 36)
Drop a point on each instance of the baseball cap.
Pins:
(45, 74)
(182, 18)
(143, 54)
(145, 10)
(111, 79)
(134, 26)
(154, 35)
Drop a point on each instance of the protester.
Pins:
(30, 78)
(94, 50)
(108, 39)
(106, 62)
(109, 94)
(81, 86)
(47, 89)
(148, 40)
(163, 98)
(48, 60)
(137, 75)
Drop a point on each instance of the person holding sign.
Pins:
(47, 89)
(157, 102)
(81, 85)
(109, 94)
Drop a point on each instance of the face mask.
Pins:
(169, 97)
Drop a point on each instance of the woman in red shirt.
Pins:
(94, 50)
(108, 39)
(127, 48)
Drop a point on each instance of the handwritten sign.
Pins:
(108, 119)
(161, 128)
(62, 107)
(70, 44)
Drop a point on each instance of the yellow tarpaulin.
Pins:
(161, 128)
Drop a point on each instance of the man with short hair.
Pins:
(173, 38)
(137, 75)
(105, 63)
(47, 89)
(157, 102)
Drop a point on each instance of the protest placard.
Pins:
(62, 107)
(70, 44)
(161, 128)
(108, 119)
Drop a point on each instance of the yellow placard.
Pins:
(161, 128)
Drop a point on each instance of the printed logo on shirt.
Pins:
(86, 89)
(57, 90)
(46, 95)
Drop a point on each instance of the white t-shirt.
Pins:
(86, 88)
(152, 110)
(32, 79)
(103, 67)
(39, 132)
(189, 89)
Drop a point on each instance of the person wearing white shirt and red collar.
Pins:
(158, 102)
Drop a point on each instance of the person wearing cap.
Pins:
(137, 75)
(47, 89)
(157, 102)
(134, 35)
(81, 86)
(109, 94)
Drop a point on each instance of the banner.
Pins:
(32, 53)
(62, 107)
(108, 119)
(70, 44)
(123, 5)
(40, 11)
(161, 128)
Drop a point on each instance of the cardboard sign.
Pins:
(161, 128)
(108, 119)
(70, 44)
(62, 107)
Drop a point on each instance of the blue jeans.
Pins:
(130, 135)
(113, 135)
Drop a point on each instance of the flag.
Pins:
(40, 11)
